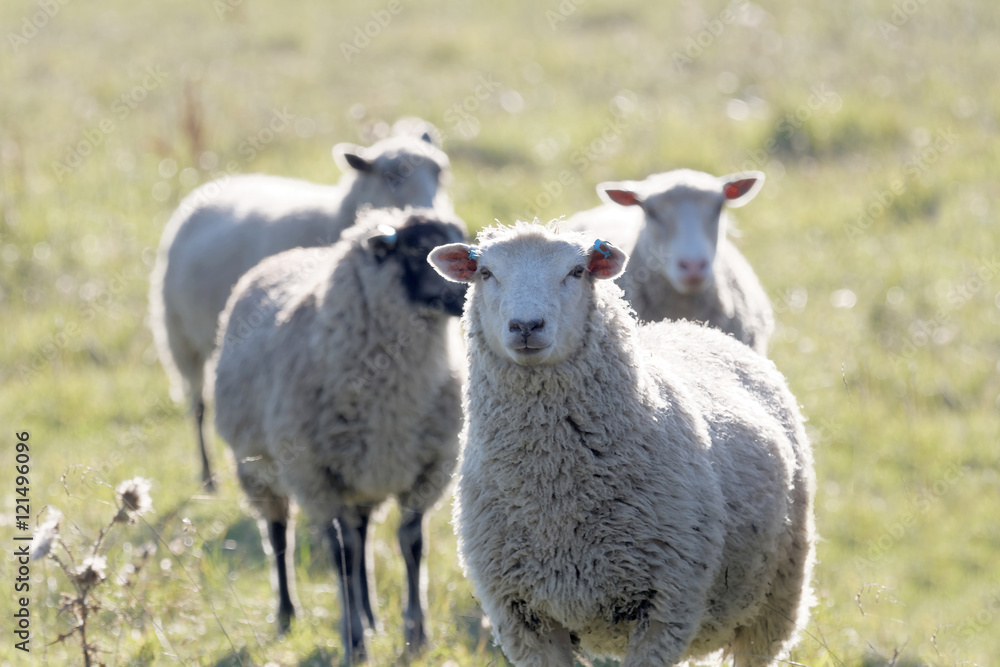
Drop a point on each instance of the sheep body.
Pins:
(335, 386)
(730, 298)
(649, 496)
(225, 227)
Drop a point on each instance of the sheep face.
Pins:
(532, 289)
(684, 219)
(408, 246)
(397, 172)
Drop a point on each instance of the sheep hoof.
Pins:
(413, 634)
(357, 655)
(285, 621)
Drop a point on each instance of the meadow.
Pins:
(875, 235)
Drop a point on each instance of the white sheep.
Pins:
(637, 491)
(683, 266)
(335, 384)
(225, 227)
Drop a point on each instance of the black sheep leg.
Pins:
(278, 533)
(411, 543)
(207, 480)
(347, 548)
(366, 604)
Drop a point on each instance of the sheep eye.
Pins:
(485, 273)
(578, 272)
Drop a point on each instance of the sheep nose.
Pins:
(693, 268)
(525, 328)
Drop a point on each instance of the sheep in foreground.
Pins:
(225, 227)
(335, 383)
(637, 491)
(682, 264)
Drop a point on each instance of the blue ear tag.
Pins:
(473, 253)
(389, 232)
(598, 248)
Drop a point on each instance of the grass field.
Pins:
(875, 235)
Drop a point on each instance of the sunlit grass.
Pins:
(874, 235)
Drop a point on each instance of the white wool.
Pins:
(642, 491)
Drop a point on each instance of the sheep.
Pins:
(682, 264)
(637, 491)
(334, 384)
(225, 227)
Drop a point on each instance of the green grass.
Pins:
(885, 185)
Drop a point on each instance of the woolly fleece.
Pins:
(225, 227)
(650, 497)
(333, 386)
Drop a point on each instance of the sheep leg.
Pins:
(345, 543)
(525, 647)
(657, 643)
(207, 480)
(411, 543)
(277, 532)
(366, 603)
(276, 525)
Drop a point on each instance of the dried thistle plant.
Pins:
(89, 572)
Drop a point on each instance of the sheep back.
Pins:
(224, 228)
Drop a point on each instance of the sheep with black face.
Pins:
(225, 227)
(335, 384)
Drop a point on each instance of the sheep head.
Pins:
(532, 289)
(684, 219)
(397, 172)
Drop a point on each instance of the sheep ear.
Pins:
(622, 193)
(606, 261)
(382, 244)
(351, 156)
(456, 261)
(741, 187)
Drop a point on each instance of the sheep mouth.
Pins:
(692, 286)
(527, 354)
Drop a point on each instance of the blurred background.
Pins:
(875, 236)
